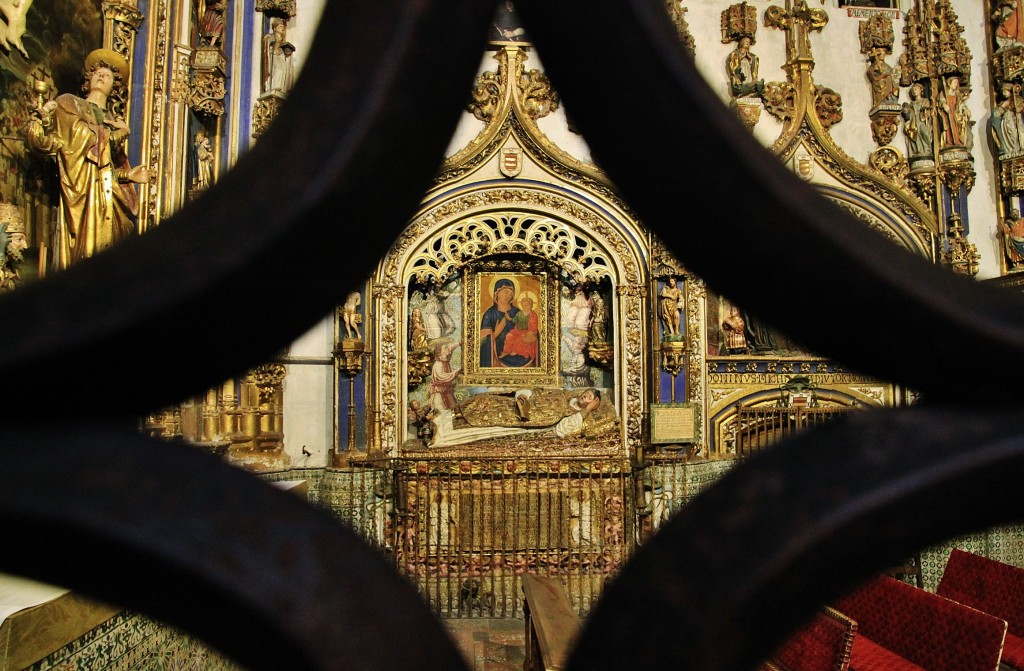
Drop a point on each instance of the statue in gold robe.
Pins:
(97, 193)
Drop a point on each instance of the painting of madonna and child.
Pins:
(507, 365)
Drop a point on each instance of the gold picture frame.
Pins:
(526, 352)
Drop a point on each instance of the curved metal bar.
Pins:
(681, 160)
(258, 575)
(751, 558)
(299, 221)
(169, 530)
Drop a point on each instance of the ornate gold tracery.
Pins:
(572, 251)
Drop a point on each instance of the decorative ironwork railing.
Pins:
(88, 503)
(466, 535)
(761, 426)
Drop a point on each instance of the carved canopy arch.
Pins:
(589, 243)
(879, 219)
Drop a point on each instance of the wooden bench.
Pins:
(551, 624)
(993, 587)
(901, 627)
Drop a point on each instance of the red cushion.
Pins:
(1013, 651)
(869, 656)
(824, 643)
(986, 584)
(925, 628)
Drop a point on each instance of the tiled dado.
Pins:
(1005, 544)
(350, 495)
(132, 642)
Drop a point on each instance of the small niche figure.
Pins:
(204, 159)
(742, 66)
(441, 391)
(882, 78)
(954, 117)
(670, 302)
(1013, 239)
(12, 246)
(211, 21)
(598, 318)
(277, 58)
(350, 315)
(1006, 122)
(917, 124)
(735, 336)
(418, 331)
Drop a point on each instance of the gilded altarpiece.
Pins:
(472, 516)
(536, 317)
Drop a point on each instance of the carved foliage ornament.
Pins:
(478, 236)
(149, 212)
(208, 92)
(828, 105)
(890, 162)
(677, 13)
(268, 379)
(485, 100)
(12, 244)
(282, 8)
(536, 96)
(961, 256)
(954, 56)
(180, 78)
(664, 264)
(1012, 175)
(533, 92)
(780, 100)
(884, 126)
(933, 43)
(1008, 64)
(798, 22)
(263, 113)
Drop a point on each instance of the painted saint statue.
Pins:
(97, 186)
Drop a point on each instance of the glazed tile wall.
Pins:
(133, 642)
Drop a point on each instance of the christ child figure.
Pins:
(523, 339)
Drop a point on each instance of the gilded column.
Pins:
(121, 21)
(633, 377)
(176, 139)
(156, 86)
(389, 305)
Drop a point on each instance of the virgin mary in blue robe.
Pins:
(495, 324)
